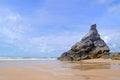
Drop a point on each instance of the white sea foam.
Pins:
(10, 58)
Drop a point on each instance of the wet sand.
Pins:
(96, 69)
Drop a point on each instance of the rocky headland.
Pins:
(91, 46)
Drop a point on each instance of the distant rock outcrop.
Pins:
(115, 55)
(91, 46)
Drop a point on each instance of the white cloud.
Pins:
(114, 8)
(10, 34)
(9, 16)
(112, 39)
(13, 32)
(59, 43)
(12, 26)
(106, 38)
(54, 43)
(14, 17)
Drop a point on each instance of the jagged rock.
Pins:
(115, 55)
(90, 46)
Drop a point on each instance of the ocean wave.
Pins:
(22, 58)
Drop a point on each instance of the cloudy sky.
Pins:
(46, 28)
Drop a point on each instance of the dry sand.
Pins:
(96, 69)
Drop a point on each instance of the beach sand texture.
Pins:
(96, 69)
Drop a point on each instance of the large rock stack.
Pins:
(91, 46)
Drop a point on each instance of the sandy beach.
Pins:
(96, 69)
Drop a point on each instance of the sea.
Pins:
(28, 58)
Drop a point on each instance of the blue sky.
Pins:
(46, 28)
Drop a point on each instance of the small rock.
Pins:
(115, 55)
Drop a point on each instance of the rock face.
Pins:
(91, 46)
(115, 55)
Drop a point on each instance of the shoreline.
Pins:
(17, 59)
(44, 59)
